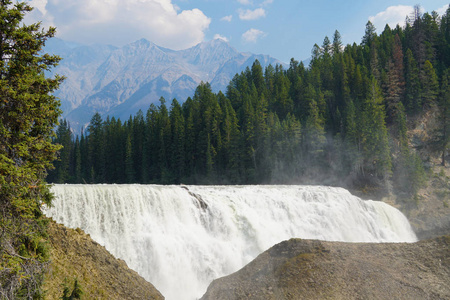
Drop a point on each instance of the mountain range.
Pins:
(118, 81)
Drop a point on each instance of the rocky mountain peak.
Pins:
(120, 81)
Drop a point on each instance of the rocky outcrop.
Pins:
(310, 269)
(74, 255)
(429, 212)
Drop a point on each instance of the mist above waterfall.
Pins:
(180, 238)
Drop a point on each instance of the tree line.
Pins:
(341, 120)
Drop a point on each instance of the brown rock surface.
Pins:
(430, 214)
(310, 269)
(101, 276)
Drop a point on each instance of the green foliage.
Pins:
(374, 136)
(28, 114)
(76, 292)
(440, 141)
(343, 118)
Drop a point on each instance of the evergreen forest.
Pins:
(342, 120)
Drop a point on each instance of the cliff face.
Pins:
(101, 276)
(310, 269)
(429, 211)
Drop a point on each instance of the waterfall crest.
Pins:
(180, 238)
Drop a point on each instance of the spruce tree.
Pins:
(96, 149)
(28, 114)
(177, 153)
(412, 83)
(61, 173)
(337, 43)
(430, 85)
(314, 134)
(441, 136)
(375, 143)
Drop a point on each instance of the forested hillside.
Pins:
(341, 120)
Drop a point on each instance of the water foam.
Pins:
(180, 238)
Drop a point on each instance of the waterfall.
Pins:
(180, 238)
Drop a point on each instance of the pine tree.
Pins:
(430, 85)
(231, 138)
(337, 43)
(441, 136)
(369, 35)
(84, 150)
(444, 42)
(28, 114)
(96, 149)
(375, 143)
(129, 163)
(396, 82)
(352, 139)
(138, 144)
(77, 161)
(62, 165)
(314, 134)
(177, 153)
(258, 78)
(326, 46)
(163, 138)
(412, 83)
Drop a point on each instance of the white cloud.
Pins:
(441, 11)
(393, 15)
(39, 5)
(227, 18)
(249, 14)
(122, 21)
(267, 2)
(245, 2)
(220, 37)
(252, 35)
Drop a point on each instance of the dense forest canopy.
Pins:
(341, 120)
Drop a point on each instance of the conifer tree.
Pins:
(62, 165)
(337, 43)
(375, 143)
(369, 35)
(396, 83)
(441, 137)
(28, 114)
(412, 83)
(430, 85)
(352, 155)
(163, 140)
(96, 149)
(77, 161)
(326, 46)
(444, 42)
(177, 153)
(138, 144)
(230, 139)
(129, 164)
(314, 134)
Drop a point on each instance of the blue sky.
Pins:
(280, 28)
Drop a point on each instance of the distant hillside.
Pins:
(120, 81)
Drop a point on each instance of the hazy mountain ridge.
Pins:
(120, 81)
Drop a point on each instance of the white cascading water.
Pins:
(180, 238)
